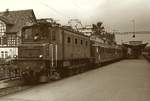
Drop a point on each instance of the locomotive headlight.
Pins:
(15, 56)
(35, 37)
(40, 56)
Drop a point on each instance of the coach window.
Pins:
(76, 41)
(86, 43)
(81, 42)
(103, 49)
(69, 40)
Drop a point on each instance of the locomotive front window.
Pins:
(34, 34)
(28, 34)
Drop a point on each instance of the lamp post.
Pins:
(133, 21)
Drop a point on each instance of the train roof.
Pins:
(74, 31)
(57, 26)
(105, 45)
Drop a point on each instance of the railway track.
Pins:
(20, 86)
(147, 57)
(12, 86)
(14, 89)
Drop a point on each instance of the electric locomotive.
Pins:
(51, 51)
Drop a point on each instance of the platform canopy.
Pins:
(136, 48)
(141, 46)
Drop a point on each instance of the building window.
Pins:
(4, 40)
(12, 40)
(2, 29)
(6, 54)
(2, 54)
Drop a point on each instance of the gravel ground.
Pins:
(127, 80)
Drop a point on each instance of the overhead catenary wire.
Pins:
(53, 9)
(59, 12)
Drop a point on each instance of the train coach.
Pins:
(103, 53)
(51, 51)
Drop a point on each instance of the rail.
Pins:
(147, 57)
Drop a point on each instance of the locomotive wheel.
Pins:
(70, 72)
(30, 78)
(77, 71)
(43, 79)
(63, 73)
(82, 69)
(55, 76)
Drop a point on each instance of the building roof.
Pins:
(17, 19)
(4, 19)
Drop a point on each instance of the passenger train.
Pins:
(52, 52)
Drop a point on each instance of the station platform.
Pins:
(126, 80)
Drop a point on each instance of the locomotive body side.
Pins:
(74, 51)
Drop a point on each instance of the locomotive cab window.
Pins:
(68, 39)
(34, 33)
(76, 41)
(27, 34)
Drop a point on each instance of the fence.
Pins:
(8, 70)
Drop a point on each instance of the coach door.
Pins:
(98, 54)
(53, 55)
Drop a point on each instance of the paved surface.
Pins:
(127, 80)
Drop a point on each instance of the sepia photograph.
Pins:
(74, 50)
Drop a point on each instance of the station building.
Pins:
(134, 41)
(135, 48)
(11, 23)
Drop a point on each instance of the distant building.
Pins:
(125, 37)
(135, 42)
(135, 48)
(11, 23)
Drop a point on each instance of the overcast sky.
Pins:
(115, 14)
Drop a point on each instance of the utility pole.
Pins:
(133, 21)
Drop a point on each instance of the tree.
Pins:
(98, 29)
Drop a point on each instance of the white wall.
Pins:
(11, 51)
